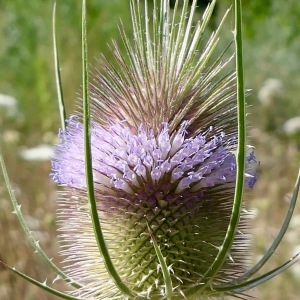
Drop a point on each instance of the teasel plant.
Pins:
(152, 168)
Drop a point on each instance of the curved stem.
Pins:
(41, 285)
(34, 243)
(89, 169)
(224, 249)
(280, 235)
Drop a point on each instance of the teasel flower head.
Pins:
(163, 142)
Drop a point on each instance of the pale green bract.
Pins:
(151, 205)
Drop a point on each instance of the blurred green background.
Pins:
(272, 64)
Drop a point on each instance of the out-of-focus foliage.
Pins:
(285, 13)
(26, 55)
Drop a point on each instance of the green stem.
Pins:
(252, 283)
(89, 169)
(41, 285)
(224, 249)
(164, 267)
(281, 234)
(34, 243)
(240, 285)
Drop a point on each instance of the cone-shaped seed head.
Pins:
(163, 138)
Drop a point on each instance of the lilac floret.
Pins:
(124, 160)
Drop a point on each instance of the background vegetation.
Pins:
(271, 50)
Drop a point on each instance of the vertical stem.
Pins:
(241, 110)
(89, 168)
(224, 249)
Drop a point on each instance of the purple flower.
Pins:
(163, 138)
(181, 185)
(129, 161)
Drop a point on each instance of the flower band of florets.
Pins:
(126, 161)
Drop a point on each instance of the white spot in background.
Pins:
(271, 90)
(10, 104)
(38, 153)
(10, 136)
(292, 126)
(295, 269)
